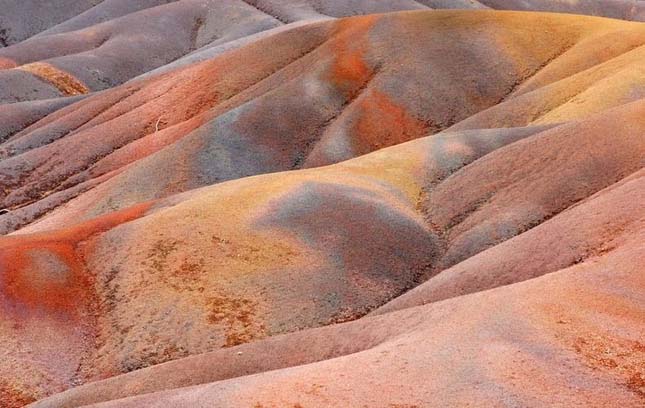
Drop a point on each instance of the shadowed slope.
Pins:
(516, 346)
(18, 116)
(117, 40)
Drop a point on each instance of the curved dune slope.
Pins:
(270, 203)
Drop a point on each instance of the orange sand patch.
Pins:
(349, 70)
(62, 80)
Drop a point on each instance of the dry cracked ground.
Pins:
(322, 203)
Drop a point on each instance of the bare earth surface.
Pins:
(299, 203)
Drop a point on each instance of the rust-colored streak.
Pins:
(104, 223)
(62, 80)
(384, 123)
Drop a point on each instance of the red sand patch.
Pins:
(63, 289)
(25, 285)
(349, 71)
(623, 357)
(383, 123)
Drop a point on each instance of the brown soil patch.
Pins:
(237, 314)
(623, 357)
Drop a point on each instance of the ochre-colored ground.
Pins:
(280, 205)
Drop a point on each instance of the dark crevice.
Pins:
(263, 10)
(194, 33)
(4, 37)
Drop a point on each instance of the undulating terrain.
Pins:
(322, 203)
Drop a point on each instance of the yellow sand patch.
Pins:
(65, 83)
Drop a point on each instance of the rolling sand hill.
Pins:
(304, 203)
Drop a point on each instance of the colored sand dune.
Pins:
(277, 203)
